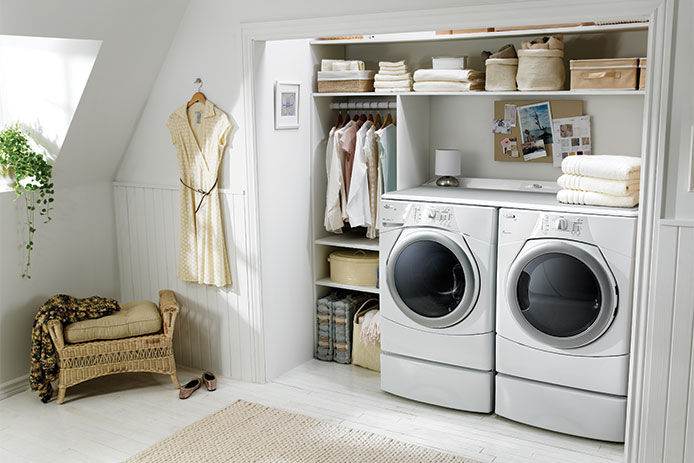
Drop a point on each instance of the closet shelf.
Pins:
(331, 284)
(349, 240)
(470, 94)
(430, 36)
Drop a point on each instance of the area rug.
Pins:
(247, 432)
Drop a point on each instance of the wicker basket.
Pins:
(88, 360)
(345, 81)
(365, 355)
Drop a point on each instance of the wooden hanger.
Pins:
(347, 119)
(389, 120)
(198, 97)
(370, 117)
(362, 118)
(339, 120)
(378, 121)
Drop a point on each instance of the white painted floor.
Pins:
(112, 418)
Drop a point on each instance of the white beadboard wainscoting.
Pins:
(669, 391)
(215, 328)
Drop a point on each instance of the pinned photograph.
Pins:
(501, 126)
(535, 123)
(510, 147)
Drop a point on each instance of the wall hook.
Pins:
(198, 82)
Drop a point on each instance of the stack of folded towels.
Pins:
(448, 80)
(335, 65)
(393, 77)
(600, 180)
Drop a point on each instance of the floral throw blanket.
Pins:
(67, 309)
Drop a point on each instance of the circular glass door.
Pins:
(561, 294)
(432, 279)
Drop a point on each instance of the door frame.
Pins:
(654, 148)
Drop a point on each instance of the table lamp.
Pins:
(447, 167)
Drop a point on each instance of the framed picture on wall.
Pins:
(287, 105)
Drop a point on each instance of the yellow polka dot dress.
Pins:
(200, 134)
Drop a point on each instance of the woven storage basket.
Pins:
(540, 70)
(604, 73)
(345, 81)
(359, 268)
(324, 327)
(365, 355)
(501, 74)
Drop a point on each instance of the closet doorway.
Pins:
(286, 168)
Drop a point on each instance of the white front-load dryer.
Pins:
(437, 272)
(564, 293)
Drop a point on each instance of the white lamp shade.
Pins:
(447, 163)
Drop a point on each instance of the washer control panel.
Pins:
(431, 215)
(562, 224)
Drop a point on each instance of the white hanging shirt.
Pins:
(358, 203)
(333, 210)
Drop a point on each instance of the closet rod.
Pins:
(364, 105)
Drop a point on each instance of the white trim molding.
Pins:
(14, 386)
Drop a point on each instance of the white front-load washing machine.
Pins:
(437, 272)
(564, 298)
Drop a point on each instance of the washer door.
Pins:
(433, 277)
(561, 292)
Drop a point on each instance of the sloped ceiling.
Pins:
(135, 36)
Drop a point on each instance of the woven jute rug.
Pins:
(247, 432)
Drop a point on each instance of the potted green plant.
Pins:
(32, 180)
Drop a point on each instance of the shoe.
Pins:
(210, 380)
(188, 388)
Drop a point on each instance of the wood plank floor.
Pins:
(112, 418)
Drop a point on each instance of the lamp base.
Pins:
(447, 181)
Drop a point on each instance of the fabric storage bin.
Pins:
(365, 355)
(642, 73)
(604, 74)
(501, 74)
(540, 69)
(343, 310)
(449, 62)
(345, 81)
(358, 268)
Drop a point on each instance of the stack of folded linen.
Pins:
(330, 65)
(393, 77)
(448, 80)
(600, 180)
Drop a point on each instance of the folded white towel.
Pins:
(612, 167)
(393, 89)
(370, 327)
(393, 84)
(598, 185)
(341, 65)
(393, 71)
(448, 86)
(388, 77)
(392, 64)
(597, 199)
(453, 75)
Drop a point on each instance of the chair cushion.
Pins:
(133, 319)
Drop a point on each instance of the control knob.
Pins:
(562, 224)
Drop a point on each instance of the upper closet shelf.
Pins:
(430, 36)
(514, 93)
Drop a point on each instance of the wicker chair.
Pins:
(87, 360)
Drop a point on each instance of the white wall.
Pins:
(76, 253)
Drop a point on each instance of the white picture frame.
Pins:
(287, 105)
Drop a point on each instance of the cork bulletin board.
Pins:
(559, 108)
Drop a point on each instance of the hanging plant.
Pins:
(33, 181)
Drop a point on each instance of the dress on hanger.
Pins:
(371, 155)
(200, 134)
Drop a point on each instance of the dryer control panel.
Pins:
(398, 214)
(562, 224)
(432, 215)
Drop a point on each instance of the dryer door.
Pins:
(562, 292)
(433, 277)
